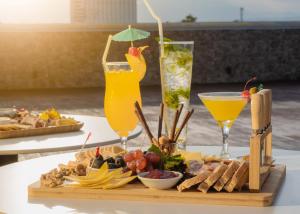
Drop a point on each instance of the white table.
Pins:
(102, 134)
(15, 178)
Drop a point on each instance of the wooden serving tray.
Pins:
(138, 192)
(40, 131)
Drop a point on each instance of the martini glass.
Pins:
(225, 107)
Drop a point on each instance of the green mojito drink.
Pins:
(176, 75)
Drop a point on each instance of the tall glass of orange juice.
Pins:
(122, 90)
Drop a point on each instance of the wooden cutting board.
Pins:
(138, 192)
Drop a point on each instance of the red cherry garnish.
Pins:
(97, 152)
(246, 92)
(134, 51)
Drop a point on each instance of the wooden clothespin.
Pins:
(261, 139)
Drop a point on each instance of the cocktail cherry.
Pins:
(134, 51)
(246, 92)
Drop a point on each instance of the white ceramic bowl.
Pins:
(166, 183)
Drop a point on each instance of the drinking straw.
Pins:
(160, 27)
(104, 57)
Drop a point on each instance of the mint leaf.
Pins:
(260, 87)
(155, 149)
(184, 59)
(172, 99)
(174, 163)
(172, 96)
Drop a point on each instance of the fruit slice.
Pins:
(137, 63)
(119, 182)
(123, 175)
(91, 177)
(253, 90)
(108, 177)
(111, 180)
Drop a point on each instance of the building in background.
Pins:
(103, 11)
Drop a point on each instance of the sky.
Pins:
(57, 11)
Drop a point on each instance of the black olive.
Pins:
(112, 166)
(97, 163)
(120, 161)
(110, 160)
(100, 157)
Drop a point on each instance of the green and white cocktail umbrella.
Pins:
(130, 35)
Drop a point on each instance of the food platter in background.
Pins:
(23, 123)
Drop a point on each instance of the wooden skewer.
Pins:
(160, 120)
(180, 110)
(176, 119)
(142, 119)
(173, 130)
(144, 125)
(186, 119)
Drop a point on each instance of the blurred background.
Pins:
(114, 11)
(58, 43)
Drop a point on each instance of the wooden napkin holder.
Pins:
(260, 159)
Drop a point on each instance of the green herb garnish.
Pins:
(155, 149)
(260, 87)
(172, 97)
(171, 47)
(184, 59)
(174, 163)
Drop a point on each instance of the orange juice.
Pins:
(224, 109)
(122, 91)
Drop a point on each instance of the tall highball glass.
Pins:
(176, 76)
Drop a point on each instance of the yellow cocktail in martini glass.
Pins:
(225, 107)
